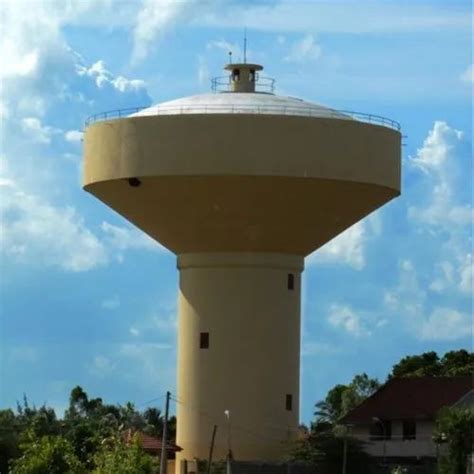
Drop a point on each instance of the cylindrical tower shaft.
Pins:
(239, 341)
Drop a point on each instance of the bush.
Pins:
(49, 455)
(116, 457)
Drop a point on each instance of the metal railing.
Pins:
(224, 84)
(247, 109)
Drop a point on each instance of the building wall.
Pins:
(252, 363)
(422, 446)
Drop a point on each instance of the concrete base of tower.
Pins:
(238, 354)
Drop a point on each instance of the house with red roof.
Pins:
(397, 422)
(150, 444)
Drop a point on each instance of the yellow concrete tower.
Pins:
(241, 184)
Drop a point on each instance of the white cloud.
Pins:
(304, 50)
(408, 298)
(145, 356)
(445, 278)
(466, 271)
(312, 348)
(154, 18)
(111, 303)
(347, 248)
(36, 232)
(441, 159)
(409, 303)
(126, 238)
(101, 366)
(337, 17)
(344, 317)
(102, 77)
(73, 136)
(134, 331)
(227, 48)
(203, 73)
(37, 131)
(468, 75)
(446, 324)
(437, 148)
(4, 112)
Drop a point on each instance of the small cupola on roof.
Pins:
(243, 76)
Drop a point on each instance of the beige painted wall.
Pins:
(252, 363)
(242, 144)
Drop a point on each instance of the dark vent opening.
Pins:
(289, 402)
(291, 281)
(204, 340)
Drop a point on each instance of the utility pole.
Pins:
(344, 456)
(211, 449)
(164, 439)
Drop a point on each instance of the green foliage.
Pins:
(457, 363)
(453, 363)
(30, 434)
(454, 428)
(330, 409)
(323, 448)
(48, 455)
(343, 398)
(10, 430)
(117, 457)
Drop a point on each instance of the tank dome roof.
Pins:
(249, 103)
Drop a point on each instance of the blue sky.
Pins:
(87, 299)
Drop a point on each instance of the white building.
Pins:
(397, 422)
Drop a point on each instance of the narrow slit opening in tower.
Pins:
(204, 340)
(291, 281)
(289, 402)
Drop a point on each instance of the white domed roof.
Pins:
(247, 103)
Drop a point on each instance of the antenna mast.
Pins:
(245, 45)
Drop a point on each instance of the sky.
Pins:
(87, 299)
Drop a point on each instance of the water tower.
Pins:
(241, 184)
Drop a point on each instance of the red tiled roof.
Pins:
(410, 398)
(150, 443)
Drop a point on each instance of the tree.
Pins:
(359, 389)
(323, 449)
(417, 366)
(10, 431)
(343, 398)
(48, 455)
(329, 410)
(116, 457)
(453, 363)
(454, 427)
(457, 363)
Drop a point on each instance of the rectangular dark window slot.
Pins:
(291, 281)
(204, 340)
(409, 429)
(289, 402)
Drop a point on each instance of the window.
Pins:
(236, 74)
(252, 75)
(289, 402)
(409, 429)
(291, 281)
(204, 340)
(380, 430)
